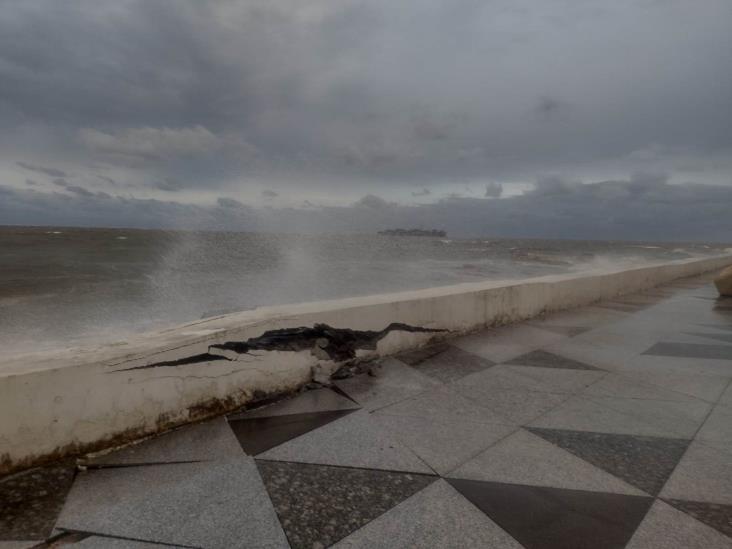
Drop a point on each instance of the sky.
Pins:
(552, 118)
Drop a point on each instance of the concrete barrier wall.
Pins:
(86, 399)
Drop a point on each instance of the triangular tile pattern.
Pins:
(30, 502)
(358, 440)
(644, 462)
(545, 359)
(556, 518)
(690, 350)
(320, 504)
(716, 515)
(259, 434)
(569, 331)
(449, 363)
(727, 338)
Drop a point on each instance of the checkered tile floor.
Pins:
(604, 427)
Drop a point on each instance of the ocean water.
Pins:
(64, 287)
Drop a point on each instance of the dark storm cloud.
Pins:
(493, 190)
(367, 89)
(53, 172)
(641, 207)
(218, 96)
(225, 202)
(81, 191)
(423, 192)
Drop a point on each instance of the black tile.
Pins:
(452, 364)
(716, 515)
(30, 502)
(557, 518)
(644, 462)
(258, 435)
(544, 359)
(690, 350)
(320, 504)
(718, 337)
(420, 355)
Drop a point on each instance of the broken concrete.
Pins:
(79, 400)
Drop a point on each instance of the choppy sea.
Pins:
(62, 287)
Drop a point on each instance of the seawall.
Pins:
(80, 400)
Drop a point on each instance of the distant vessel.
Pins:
(414, 232)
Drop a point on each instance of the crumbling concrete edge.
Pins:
(55, 407)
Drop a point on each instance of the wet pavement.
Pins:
(608, 426)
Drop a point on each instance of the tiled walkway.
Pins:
(604, 427)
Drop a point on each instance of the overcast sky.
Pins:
(508, 117)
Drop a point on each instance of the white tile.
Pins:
(524, 458)
(356, 440)
(665, 528)
(438, 517)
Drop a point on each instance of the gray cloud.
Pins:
(207, 97)
(270, 194)
(225, 202)
(31, 183)
(644, 206)
(81, 191)
(53, 172)
(423, 192)
(493, 190)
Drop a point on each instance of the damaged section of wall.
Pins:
(325, 342)
(54, 405)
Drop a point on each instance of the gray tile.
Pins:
(633, 386)
(438, 517)
(626, 416)
(691, 350)
(523, 458)
(703, 474)
(443, 403)
(727, 338)
(203, 441)
(319, 505)
(718, 426)
(702, 387)
(452, 364)
(569, 331)
(665, 527)
(530, 378)
(389, 382)
(356, 440)
(100, 542)
(502, 344)
(643, 462)
(210, 504)
(423, 353)
(516, 406)
(443, 444)
(716, 515)
(17, 544)
(317, 400)
(555, 518)
(259, 434)
(545, 359)
(31, 501)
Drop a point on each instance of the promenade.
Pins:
(607, 426)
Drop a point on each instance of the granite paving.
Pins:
(602, 427)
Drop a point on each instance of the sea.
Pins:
(66, 287)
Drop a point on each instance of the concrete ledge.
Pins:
(81, 400)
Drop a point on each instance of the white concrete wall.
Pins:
(78, 400)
